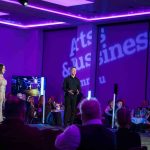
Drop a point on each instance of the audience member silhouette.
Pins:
(32, 110)
(50, 105)
(92, 135)
(40, 108)
(14, 134)
(108, 114)
(49, 136)
(125, 138)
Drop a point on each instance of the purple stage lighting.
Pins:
(80, 17)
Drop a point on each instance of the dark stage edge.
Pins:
(46, 126)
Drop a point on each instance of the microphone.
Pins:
(116, 88)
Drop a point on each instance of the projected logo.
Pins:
(120, 50)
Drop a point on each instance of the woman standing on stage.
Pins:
(3, 84)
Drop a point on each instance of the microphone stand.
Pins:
(114, 102)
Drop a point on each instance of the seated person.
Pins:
(108, 114)
(119, 104)
(92, 135)
(53, 113)
(139, 118)
(32, 110)
(50, 105)
(125, 138)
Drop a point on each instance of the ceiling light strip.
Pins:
(30, 26)
(11, 24)
(49, 10)
(10, 1)
(3, 14)
(68, 3)
(84, 18)
(43, 24)
(59, 13)
(120, 16)
(131, 14)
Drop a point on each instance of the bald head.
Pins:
(90, 109)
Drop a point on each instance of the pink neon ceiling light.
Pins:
(130, 14)
(69, 3)
(3, 14)
(31, 25)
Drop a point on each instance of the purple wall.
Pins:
(21, 52)
(148, 73)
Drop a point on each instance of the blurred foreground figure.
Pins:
(3, 84)
(92, 135)
(126, 138)
(14, 134)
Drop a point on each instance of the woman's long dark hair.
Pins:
(1, 67)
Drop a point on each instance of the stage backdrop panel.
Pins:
(148, 69)
(81, 56)
(122, 51)
(56, 59)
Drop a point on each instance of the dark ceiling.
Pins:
(49, 15)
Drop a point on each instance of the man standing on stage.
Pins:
(71, 87)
